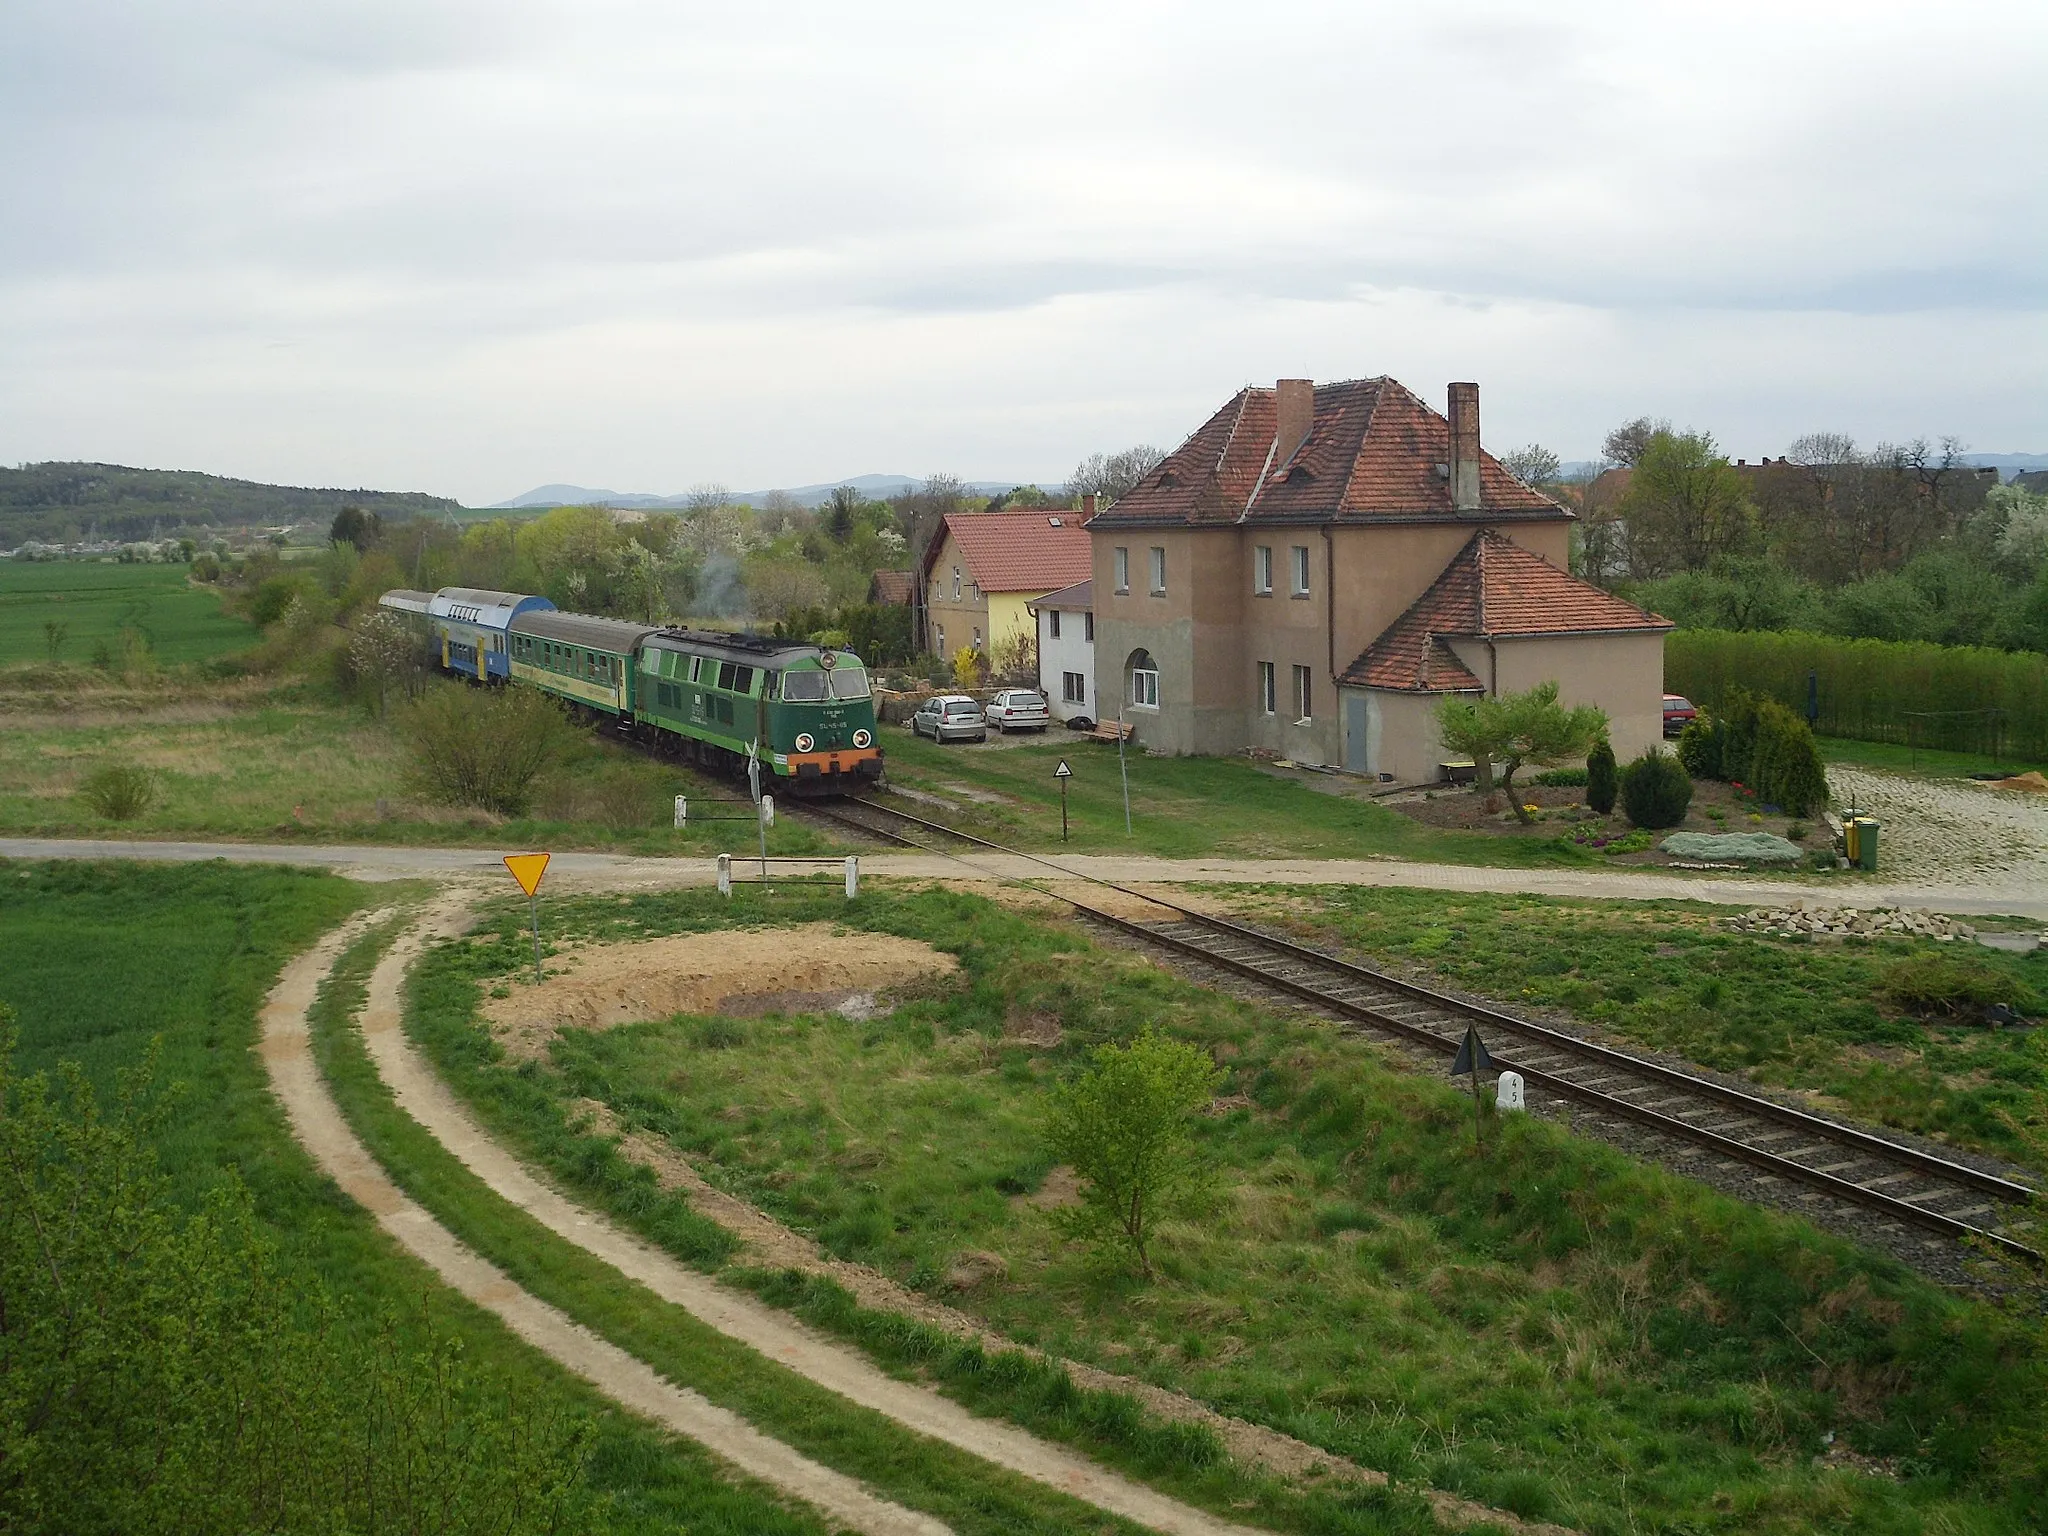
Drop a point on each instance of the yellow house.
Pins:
(984, 569)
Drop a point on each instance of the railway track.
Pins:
(1688, 1117)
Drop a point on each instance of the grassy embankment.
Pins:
(248, 761)
(968, 1495)
(98, 959)
(1549, 1328)
(94, 603)
(1181, 807)
(1667, 976)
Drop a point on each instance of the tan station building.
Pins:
(1318, 565)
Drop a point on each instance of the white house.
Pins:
(1066, 649)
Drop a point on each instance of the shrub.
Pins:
(119, 791)
(1699, 748)
(1785, 767)
(483, 746)
(1945, 983)
(1602, 781)
(1560, 778)
(1655, 790)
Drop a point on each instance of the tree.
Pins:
(1533, 465)
(841, 507)
(1014, 658)
(1601, 780)
(1517, 728)
(1125, 1128)
(1111, 476)
(1627, 443)
(390, 650)
(352, 525)
(54, 635)
(1685, 505)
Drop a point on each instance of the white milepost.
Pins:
(682, 812)
(767, 810)
(852, 877)
(725, 874)
(1507, 1093)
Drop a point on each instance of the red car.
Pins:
(1678, 714)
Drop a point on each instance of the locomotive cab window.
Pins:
(804, 687)
(849, 682)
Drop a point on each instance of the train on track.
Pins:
(804, 713)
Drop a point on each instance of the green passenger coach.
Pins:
(586, 660)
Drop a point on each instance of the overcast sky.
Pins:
(641, 244)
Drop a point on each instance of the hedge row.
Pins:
(1868, 688)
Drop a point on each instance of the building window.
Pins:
(956, 583)
(1304, 706)
(1144, 673)
(1123, 568)
(1262, 570)
(977, 637)
(1088, 626)
(1300, 553)
(1052, 623)
(1158, 571)
(942, 640)
(1073, 687)
(1266, 699)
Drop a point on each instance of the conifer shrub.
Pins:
(1699, 748)
(1656, 790)
(1785, 767)
(1602, 780)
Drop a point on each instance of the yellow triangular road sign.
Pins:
(527, 868)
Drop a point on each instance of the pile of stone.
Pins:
(1832, 924)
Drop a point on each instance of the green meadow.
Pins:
(95, 604)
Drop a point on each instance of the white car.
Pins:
(1017, 709)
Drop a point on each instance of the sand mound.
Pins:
(813, 968)
(2031, 780)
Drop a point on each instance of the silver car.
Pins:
(1018, 709)
(950, 717)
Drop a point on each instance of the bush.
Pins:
(1699, 748)
(1655, 790)
(1560, 778)
(484, 746)
(1785, 767)
(1944, 983)
(119, 791)
(1602, 782)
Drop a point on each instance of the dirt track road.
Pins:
(1987, 892)
(318, 1123)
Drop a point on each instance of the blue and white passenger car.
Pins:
(472, 626)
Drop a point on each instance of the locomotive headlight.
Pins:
(863, 739)
(804, 742)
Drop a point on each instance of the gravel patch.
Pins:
(1951, 831)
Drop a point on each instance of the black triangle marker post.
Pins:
(1474, 1058)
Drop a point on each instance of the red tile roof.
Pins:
(1022, 551)
(894, 587)
(1371, 452)
(1492, 590)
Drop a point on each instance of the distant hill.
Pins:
(2007, 464)
(59, 503)
(875, 487)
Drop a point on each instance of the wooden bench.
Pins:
(1113, 731)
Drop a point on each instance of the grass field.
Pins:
(1547, 1328)
(1181, 807)
(95, 603)
(287, 763)
(101, 958)
(1667, 976)
(1921, 760)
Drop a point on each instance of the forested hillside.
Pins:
(58, 503)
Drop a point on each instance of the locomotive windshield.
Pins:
(849, 682)
(804, 687)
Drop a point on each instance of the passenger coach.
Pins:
(473, 627)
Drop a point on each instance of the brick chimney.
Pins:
(1464, 414)
(1294, 403)
(1087, 505)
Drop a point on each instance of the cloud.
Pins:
(466, 246)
